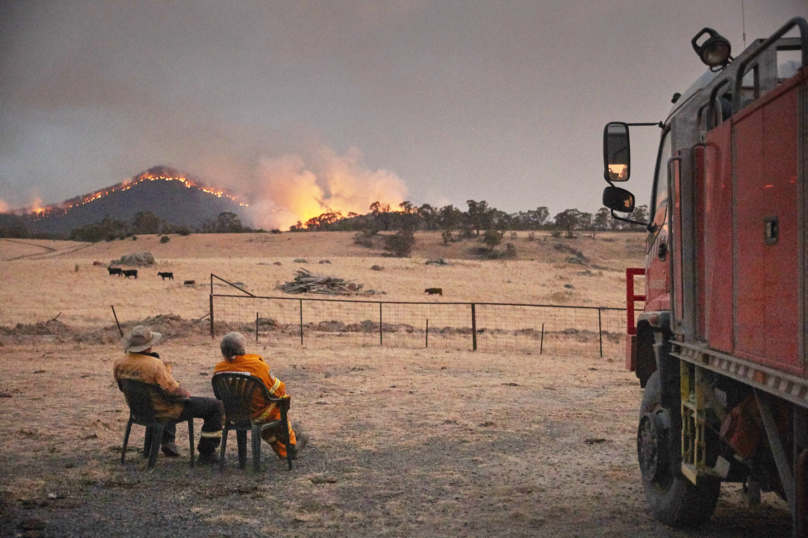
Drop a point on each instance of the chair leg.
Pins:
(224, 445)
(126, 440)
(256, 447)
(241, 436)
(147, 441)
(287, 440)
(157, 436)
(191, 438)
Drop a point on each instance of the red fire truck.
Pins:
(721, 346)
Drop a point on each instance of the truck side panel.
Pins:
(781, 283)
(766, 261)
(718, 243)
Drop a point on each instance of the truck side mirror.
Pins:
(618, 199)
(616, 152)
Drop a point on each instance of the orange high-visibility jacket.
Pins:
(152, 370)
(262, 411)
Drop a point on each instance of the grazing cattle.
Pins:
(434, 291)
(164, 276)
(115, 271)
(130, 272)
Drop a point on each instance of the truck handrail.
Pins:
(713, 96)
(796, 21)
(631, 298)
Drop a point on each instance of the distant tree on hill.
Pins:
(13, 226)
(146, 222)
(226, 223)
(106, 229)
(569, 220)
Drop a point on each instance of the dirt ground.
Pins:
(403, 443)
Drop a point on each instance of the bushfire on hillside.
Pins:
(54, 210)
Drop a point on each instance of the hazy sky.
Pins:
(433, 101)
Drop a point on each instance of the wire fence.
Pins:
(494, 327)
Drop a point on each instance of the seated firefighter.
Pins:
(237, 360)
(176, 403)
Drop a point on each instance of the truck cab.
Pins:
(720, 343)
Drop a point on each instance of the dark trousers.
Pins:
(208, 409)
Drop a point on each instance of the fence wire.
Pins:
(589, 331)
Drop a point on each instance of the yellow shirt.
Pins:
(151, 370)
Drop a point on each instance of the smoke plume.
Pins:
(290, 189)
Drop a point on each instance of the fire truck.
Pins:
(721, 345)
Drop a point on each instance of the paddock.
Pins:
(403, 443)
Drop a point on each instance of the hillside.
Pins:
(170, 195)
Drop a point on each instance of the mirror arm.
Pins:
(660, 124)
(651, 227)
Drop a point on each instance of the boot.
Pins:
(208, 458)
(302, 441)
(170, 450)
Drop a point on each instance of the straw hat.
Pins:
(140, 339)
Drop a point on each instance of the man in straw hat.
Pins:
(236, 359)
(176, 403)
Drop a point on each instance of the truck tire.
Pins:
(673, 499)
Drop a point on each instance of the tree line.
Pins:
(476, 219)
(147, 222)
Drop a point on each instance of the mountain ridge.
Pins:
(172, 196)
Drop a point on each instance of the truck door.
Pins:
(657, 277)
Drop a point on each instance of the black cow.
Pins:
(130, 272)
(115, 271)
(164, 276)
(434, 291)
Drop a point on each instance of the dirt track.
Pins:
(404, 443)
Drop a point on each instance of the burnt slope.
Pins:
(170, 201)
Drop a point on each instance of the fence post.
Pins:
(427, 333)
(541, 345)
(301, 322)
(473, 327)
(211, 309)
(600, 334)
(381, 325)
(256, 327)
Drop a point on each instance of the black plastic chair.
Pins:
(141, 412)
(236, 392)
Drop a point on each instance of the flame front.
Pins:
(58, 210)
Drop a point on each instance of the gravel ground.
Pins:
(403, 443)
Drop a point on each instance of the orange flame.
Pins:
(54, 209)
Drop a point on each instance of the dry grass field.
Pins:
(404, 442)
(41, 280)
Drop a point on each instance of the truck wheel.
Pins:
(673, 499)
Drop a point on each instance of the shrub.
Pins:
(134, 238)
(446, 235)
(514, 235)
(275, 231)
(531, 236)
(556, 233)
(400, 244)
(492, 238)
(183, 230)
(165, 239)
(510, 250)
(363, 240)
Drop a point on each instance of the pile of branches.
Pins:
(306, 282)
